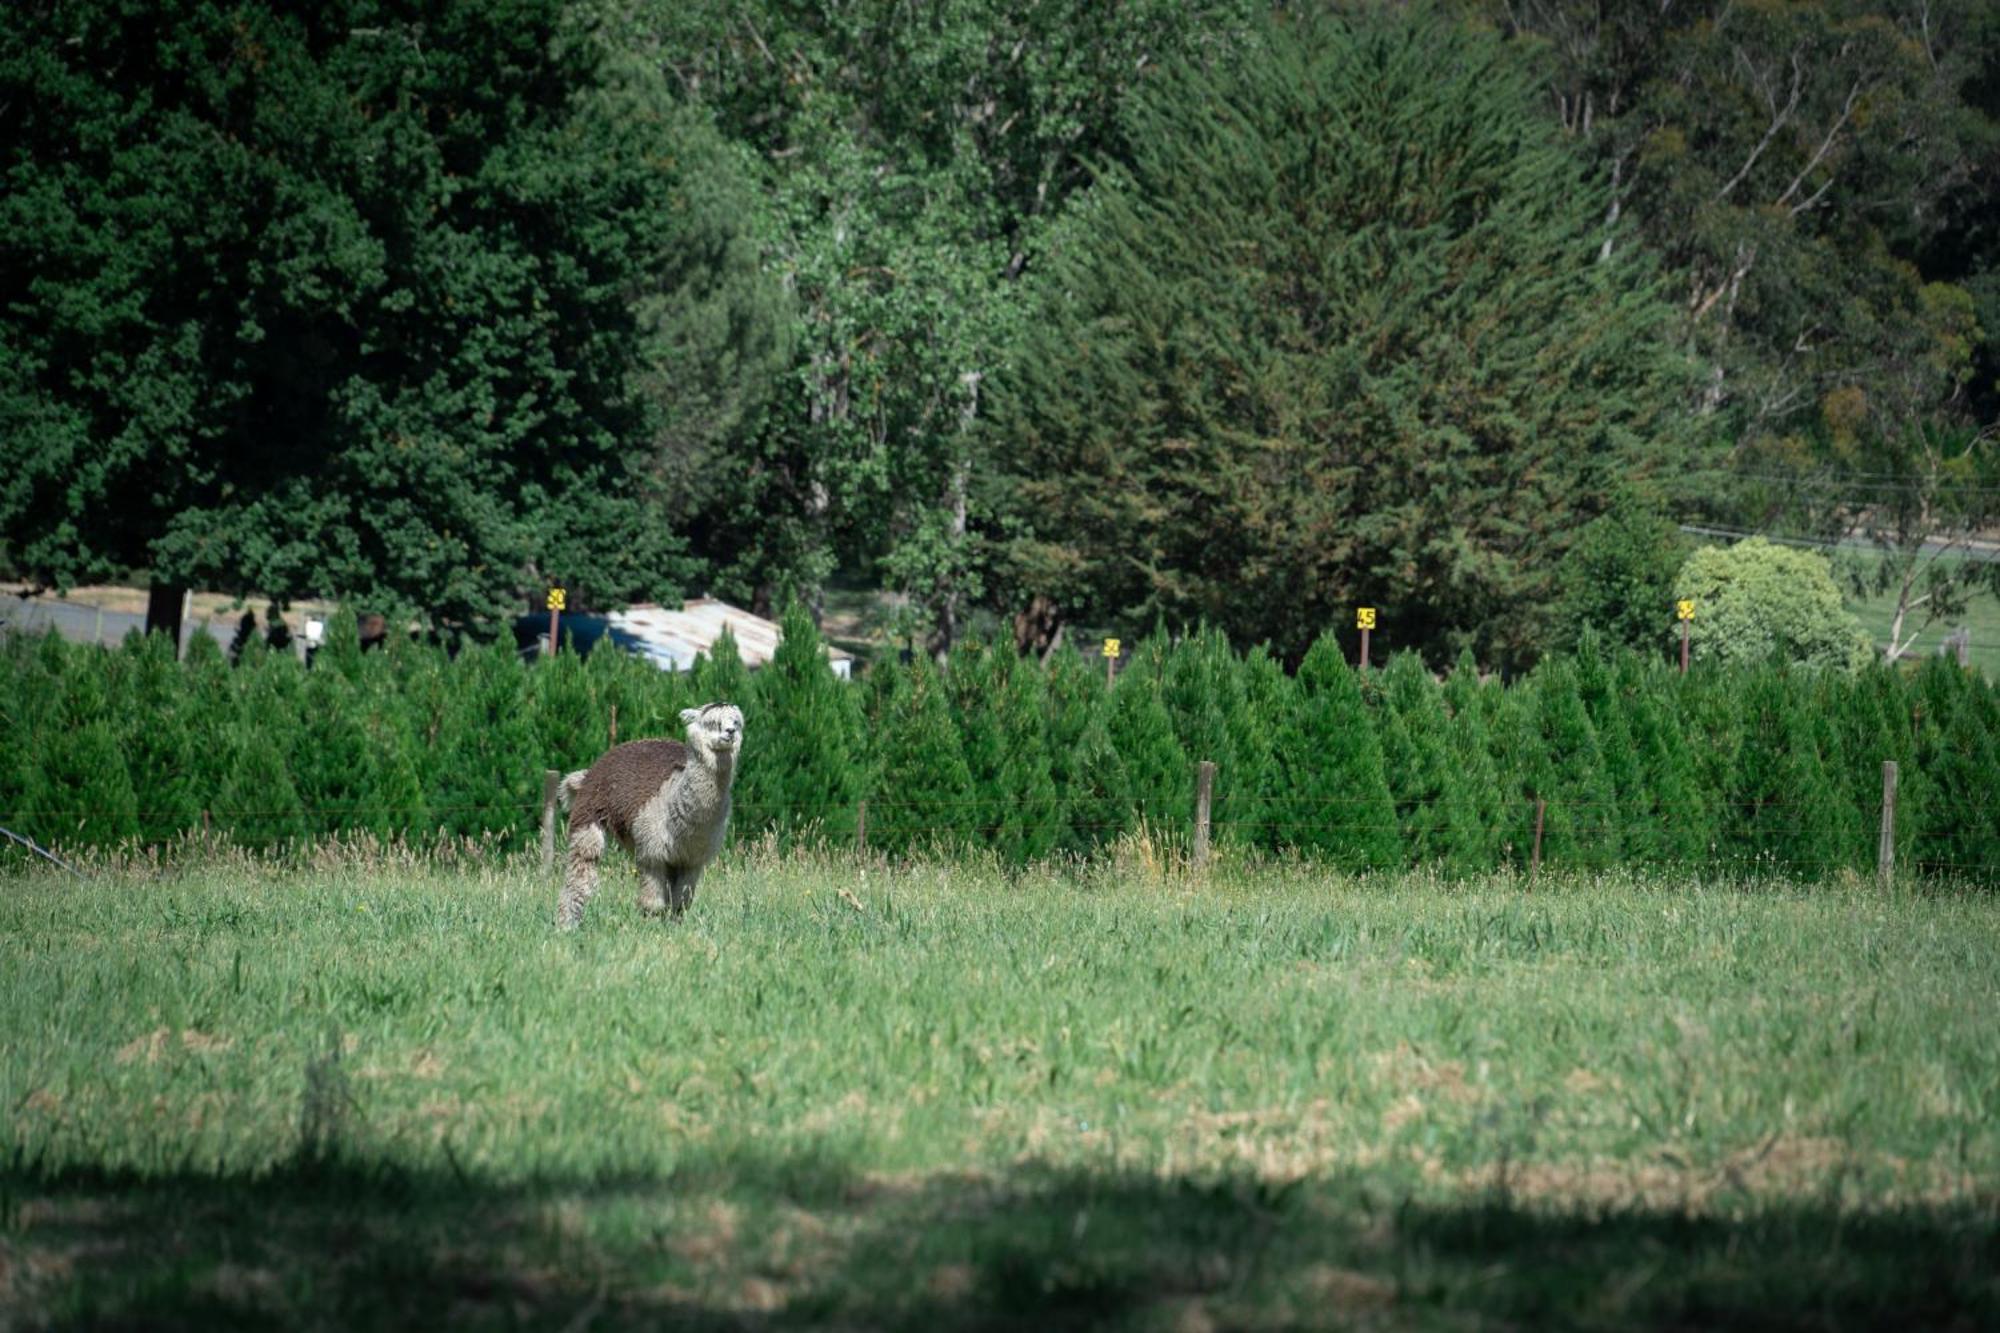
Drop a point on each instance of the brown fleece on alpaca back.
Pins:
(622, 781)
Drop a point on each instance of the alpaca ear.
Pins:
(688, 716)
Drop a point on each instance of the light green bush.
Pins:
(1757, 601)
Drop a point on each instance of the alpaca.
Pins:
(666, 803)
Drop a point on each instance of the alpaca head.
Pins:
(714, 729)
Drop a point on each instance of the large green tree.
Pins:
(343, 299)
(1345, 331)
(1796, 164)
(915, 155)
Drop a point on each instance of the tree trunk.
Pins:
(166, 605)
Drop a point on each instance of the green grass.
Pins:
(1982, 614)
(939, 1097)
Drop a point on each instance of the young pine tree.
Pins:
(1475, 709)
(922, 794)
(1559, 761)
(1439, 819)
(1092, 800)
(802, 770)
(1159, 777)
(1336, 801)
(160, 746)
(1269, 696)
(1030, 820)
(1675, 825)
(334, 768)
(486, 780)
(83, 792)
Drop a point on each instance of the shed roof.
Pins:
(673, 637)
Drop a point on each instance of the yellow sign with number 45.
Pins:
(1684, 608)
(556, 599)
(1364, 617)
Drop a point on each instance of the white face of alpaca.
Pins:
(717, 728)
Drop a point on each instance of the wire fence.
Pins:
(1752, 835)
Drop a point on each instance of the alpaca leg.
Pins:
(655, 889)
(586, 845)
(684, 882)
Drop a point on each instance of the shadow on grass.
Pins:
(803, 1241)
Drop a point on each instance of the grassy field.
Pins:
(363, 1095)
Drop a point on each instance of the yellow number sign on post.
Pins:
(557, 600)
(1364, 617)
(1111, 647)
(1684, 608)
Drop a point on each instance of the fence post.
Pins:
(1885, 849)
(614, 724)
(1535, 858)
(1204, 788)
(551, 780)
(861, 825)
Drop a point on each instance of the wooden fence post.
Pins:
(861, 825)
(551, 781)
(1204, 789)
(614, 724)
(1535, 858)
(1885, 849)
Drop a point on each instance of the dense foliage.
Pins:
(338, 299)
(1230, 309)
(1759, 768)
(1344, 332)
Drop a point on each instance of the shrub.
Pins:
(1756, 602)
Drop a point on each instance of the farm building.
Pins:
(672, 637)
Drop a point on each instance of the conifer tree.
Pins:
(1783, 809)
(1346, 319)
(1957, 755)
(1336, 800)
(1203, 685)
(1439, 820)
(269, 687)
(719, 676)
(1089, 797)
(1159, 778)
(257, 804)
(1559, 762)
(1676, 825)
(1097, 791)
(1269, 697)
(972, 686)
(159, 745)
(1475, 710)
(82, 792)
(486, 780)
(802, 769)
(334, 766)
(923, 791)
(1030, 821)
(1623, 770)
(212, 714)
(570, 728)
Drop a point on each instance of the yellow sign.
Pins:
(1685, 608)
(556, 599)
(1111, 647)
(1364, 617)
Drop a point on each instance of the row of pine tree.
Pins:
(1629, 763)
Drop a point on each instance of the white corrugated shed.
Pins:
(672, 638)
